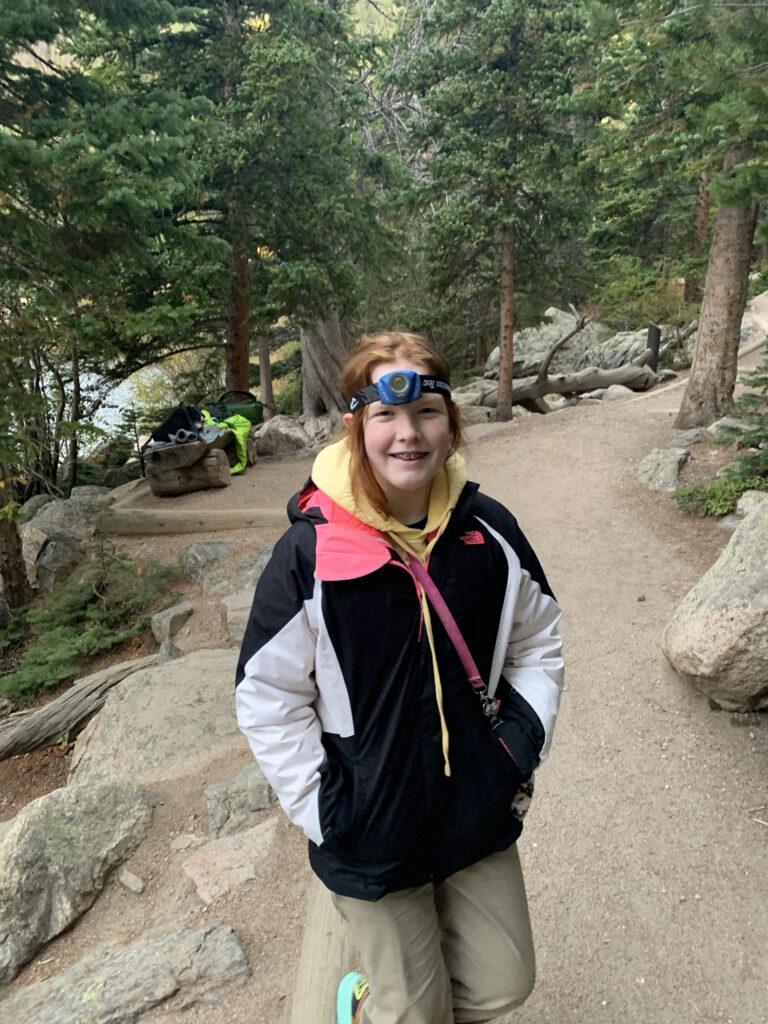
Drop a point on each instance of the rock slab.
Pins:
(164, 722)
(233, 805)
(118, 985)
(54, 859)
(660, 469)
(717, 638)
(224, 864)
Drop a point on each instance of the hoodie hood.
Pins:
(332, 474)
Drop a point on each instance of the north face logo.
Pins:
(472, 537)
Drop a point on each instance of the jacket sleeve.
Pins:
(528, 667)
(276, 681)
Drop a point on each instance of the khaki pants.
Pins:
(451, 954)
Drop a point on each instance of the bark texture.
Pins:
(238, 312)
(713, 373)
(265, 378)
(16, 589)
(323, 354)
(507, 327)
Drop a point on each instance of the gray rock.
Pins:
(616, 392)
(168, 652)
(59, 555)
(728, 523)
(666, 374)
(117, 985)
(31, 507)
(717, 638)
(163, 722)
(234, 805)
(533, 343)
(166, 624)
(473, 414)
(617, 350)
(750, 502)
(660, 469)
(280, 435)
(598, 394)
(225, 864)
(235, 611)
(196, 558)
(694, 436)
(54, 859)
(131, 882)
(91, 494)
(719, 426)
(230, 578)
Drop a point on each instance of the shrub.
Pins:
(106, 602)
(718, 497)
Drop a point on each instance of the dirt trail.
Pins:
(645, 867)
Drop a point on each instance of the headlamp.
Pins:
(398, 388)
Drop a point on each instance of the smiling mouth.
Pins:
(409, 456)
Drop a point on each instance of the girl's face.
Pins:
(406, 444)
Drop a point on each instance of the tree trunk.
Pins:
(74, 447)
(507, 328)
(692, 290)
(323, 354)
(713, 374)
(238, 313)
(16, 589)
(265, 376)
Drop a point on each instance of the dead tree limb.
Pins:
(544, 368)
(635, 375)
(68, 714)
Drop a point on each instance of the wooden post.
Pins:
(326, 956)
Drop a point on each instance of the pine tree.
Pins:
(492, 81)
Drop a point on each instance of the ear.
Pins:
(348, 420)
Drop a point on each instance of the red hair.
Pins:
(370, 352)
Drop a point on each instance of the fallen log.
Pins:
(67, 715)
(635, 375)
(136, 521)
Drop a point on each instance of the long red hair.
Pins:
(371, 351)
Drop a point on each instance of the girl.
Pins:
(398, 682)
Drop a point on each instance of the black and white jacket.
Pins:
(336, 696)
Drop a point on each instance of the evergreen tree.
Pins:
(492, 80)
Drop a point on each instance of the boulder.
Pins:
(473, 414)
(717, 638)
(533, 343)
(660, 469)
(694, 436)
(116, 985)
(58, 556)
(233, 805)
(615, 392)
(621, 348)
(196, 558)
(720, 427)
(163, 722)
(54, 858)
(228, 579)
(750, 502)
(165, 625)
(235, 611)
(280, 435)
(224, 864)
(33, 505)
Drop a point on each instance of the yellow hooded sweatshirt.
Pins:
(332, 473)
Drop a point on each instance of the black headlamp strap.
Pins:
(429, 386)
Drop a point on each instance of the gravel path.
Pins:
(645, 862)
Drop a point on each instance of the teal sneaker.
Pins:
(352, 993)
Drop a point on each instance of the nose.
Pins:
(407, 425)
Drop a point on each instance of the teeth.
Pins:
(409, 456)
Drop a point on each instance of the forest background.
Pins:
(195, 184)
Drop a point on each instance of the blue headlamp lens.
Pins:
(398, 388)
